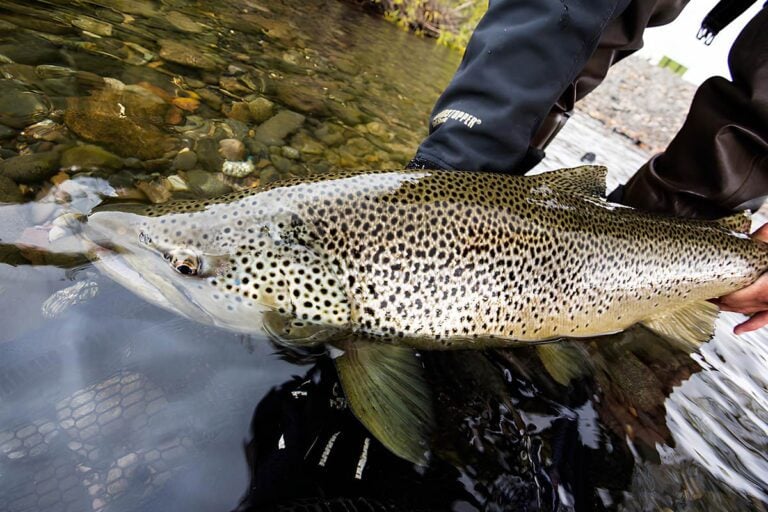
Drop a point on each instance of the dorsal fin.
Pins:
(738, 222)
(584, 180)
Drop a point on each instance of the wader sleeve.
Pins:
(621, 38)
(521, 57)
(718, 161)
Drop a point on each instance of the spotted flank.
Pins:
(425, 259)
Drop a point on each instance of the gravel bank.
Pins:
(641, 101)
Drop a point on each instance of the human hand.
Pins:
(752, 300)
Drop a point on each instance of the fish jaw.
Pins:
(114, 242)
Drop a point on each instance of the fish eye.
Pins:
(185, 269)
(184, 261)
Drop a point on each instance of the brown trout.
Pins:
(424, 259)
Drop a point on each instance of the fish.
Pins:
(378, 263)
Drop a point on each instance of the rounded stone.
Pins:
(291, 152)
(6, 132)
(31, 168)
(89, 156)
(232, 150)
(186, 160)
(275, 129)
(19, 106)
(206, 184)
(9, 191)
(186, 55)
(208, 156)
(261, 109)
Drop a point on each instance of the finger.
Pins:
(754, 294)
(745, 307)
(754, 323)
(761, 233)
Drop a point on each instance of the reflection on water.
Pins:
(108, 403)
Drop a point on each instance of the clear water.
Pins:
(110, 404)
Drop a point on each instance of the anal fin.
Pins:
(386, 390)
(689, 325)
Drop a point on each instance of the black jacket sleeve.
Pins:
(521, 57)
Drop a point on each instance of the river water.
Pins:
(108, 403)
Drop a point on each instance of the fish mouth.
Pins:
(112, 243)
(154, 284)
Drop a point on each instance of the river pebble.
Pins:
(186, 55)
(9, 191)
(238, 169)
(20, 106)
(208, 155)
(6, 132)
(89, 156)
(93, 26)
(239, 111)
(261, 109)
(184, 23)
(276, 128)
(206, 184)
(232, 150)
(126, 120)
(185, 160)
(31, 168)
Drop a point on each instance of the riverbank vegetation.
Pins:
(451, 22)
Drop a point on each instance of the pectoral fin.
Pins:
(689, 325)
(296, 333)
(386, 390)
(564, 361)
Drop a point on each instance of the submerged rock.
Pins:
(184, 23)
(291, 152)
(212, 99)
(238, 169)
(9, 191)
(208, 155)
(89, 156)
(140, 7)
(31, 168)
(240, 112)
(278, 127)
(232, 149)
(261, 109)
(186, 160)
(157, 191)
(6, 132)
(124, 120)
(19, 106)
(46, 130)
(348, 114)
(206, 184)
(306, 144)
(330, 135)
(92, 25)
(186, 55)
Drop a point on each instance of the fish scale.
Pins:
(446, 259)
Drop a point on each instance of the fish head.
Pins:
(195, 262)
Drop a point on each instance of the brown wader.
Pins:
(718, 162)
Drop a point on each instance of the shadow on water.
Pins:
(110, 404)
